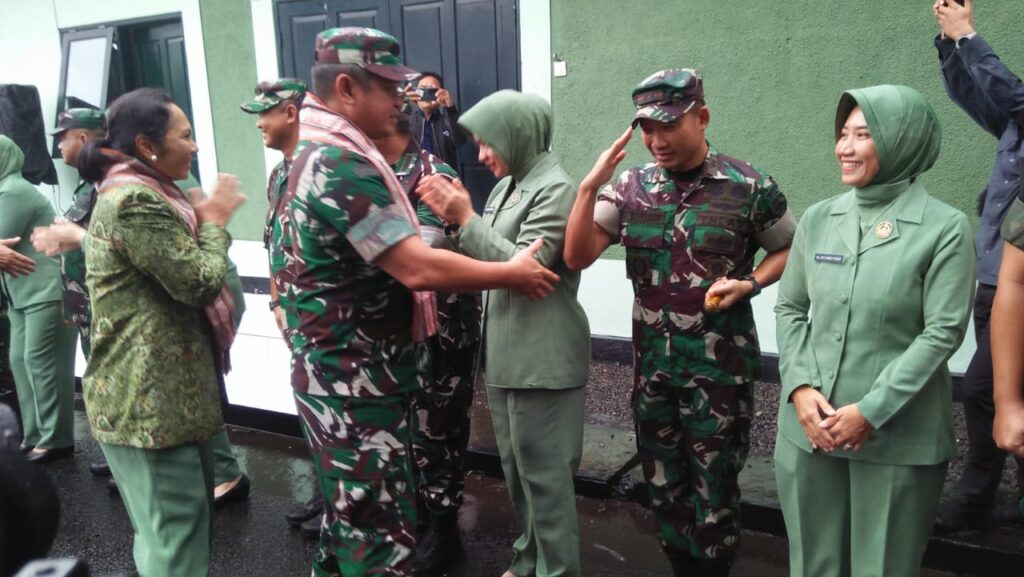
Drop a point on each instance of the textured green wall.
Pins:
(773, 74)
(231, 67)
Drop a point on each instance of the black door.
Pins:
(154, 57)
(474, 44)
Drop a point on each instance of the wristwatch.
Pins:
(275, 303)
(452, 230)
(757, 286)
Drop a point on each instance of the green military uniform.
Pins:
(41, 346)
(887, 273)
(536, 354)
(694, 371)
(72, 263)
(355, 363)
(440, 412)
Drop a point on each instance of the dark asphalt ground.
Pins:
(252, 538)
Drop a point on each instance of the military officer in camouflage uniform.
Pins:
(360, 315)
(277, 105)
(75, 127)
(692, 222)
(1008, 336)
(440, 412)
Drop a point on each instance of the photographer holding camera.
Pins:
(435, 118)
(993, 96)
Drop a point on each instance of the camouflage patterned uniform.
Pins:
(72, 266)
(77, 309)
(276, 231)
(694, 371)
(355, 365)
(440, 412)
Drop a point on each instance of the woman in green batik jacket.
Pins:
(875, 299)
(42, 346)
(162, 324)
(536, 354)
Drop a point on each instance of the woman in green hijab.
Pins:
(865, 423)
(42, 347)
(536, 353)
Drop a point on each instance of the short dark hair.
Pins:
(324, 76)
(432, 74)
(146, 111)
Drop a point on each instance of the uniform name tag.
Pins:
(489, 210)
(829, 258)
(650, 216)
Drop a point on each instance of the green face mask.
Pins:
(904, 126)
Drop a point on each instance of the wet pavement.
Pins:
(252, 538)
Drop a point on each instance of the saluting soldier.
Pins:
(692, 221)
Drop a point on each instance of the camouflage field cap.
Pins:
(270, 94)
(369, 48)
(89, 118)
(667, 94)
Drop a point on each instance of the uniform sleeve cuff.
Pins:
(381, 229)
(606, 216)
(779, 235)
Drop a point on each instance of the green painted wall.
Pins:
(773, 75)
(231, 68)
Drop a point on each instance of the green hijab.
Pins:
(905, 129)
(11, 158)
(516, 125)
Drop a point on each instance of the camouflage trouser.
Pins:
(440, 428)
(693, 443)
(361, 459)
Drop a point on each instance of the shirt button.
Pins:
(843, 299)
(837, 336)
(831, 374)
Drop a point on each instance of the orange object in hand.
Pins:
(711, 305)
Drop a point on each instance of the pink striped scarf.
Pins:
(320, 124)
(220, 312)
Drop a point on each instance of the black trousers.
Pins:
(984, 467)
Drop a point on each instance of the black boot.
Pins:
(441, 547)
(422, 518)
(713, 568)
(683, 564)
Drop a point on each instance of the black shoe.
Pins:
(956, 516)
(303, 512)
(112, 488)
(236, 494)
(101, 469)
(25, 448)
(1009, 514)
(50, 455)
(441, 547)
(311, 528)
